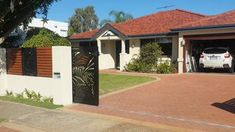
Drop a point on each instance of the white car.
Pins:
(216, 57)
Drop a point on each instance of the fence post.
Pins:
(62, 74)
(2, 71)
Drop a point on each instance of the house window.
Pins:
(143, 42)
(29, 62)
(166, 49)
(165, 44)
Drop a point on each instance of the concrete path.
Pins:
(32, 119)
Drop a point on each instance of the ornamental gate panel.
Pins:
(85, 75)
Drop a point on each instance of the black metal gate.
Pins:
(85, 75)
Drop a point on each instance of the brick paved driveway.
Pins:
(187, 100)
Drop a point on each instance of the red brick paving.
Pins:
(179, 100)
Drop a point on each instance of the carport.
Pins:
(195, 44)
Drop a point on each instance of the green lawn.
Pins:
(110, 82)
(30, 102)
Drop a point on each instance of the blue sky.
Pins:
(62, 10)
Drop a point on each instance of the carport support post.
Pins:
(180, 59)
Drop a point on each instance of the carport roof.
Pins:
(226, 19)
(158, 23)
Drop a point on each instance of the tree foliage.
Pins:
(15, 12)
(45, 38)
(118, 16)
(83, 20)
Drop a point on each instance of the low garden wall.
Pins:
(47, 71)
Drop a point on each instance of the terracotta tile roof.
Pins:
(84, 35)
(158, 23)
(227, 18)
(161, 22)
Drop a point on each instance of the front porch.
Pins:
(113, 54)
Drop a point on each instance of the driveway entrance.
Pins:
(196, 101)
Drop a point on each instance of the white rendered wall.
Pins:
(60, 89)
(134, 47)
(124, 60)
(2, 71)
(62, 63)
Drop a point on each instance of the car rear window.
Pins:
(215, 51)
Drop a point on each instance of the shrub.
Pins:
(150, 53)
(45, 38)
(164, 68)
(148, 59)
(138, 66)
(31, 95)
(9, 93)
(47, 100)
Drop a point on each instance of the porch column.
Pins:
(99, 46)
(123, 47)
(123, 56)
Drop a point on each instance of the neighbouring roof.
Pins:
(225, 19)
(158, 23)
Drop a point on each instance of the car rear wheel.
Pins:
(201, 69)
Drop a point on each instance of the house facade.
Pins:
(180, 34)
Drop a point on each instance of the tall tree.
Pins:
(118, 16)
(83, 20)
(15, 12)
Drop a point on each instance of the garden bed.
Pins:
(30, 102)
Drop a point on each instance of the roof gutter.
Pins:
(145, 36)
(203, 27)
(81, 40)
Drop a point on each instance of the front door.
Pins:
(118, 51)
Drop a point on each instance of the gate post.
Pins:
(62, 74)
(2, 71)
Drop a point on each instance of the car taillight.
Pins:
(202, 56)
(227, 55)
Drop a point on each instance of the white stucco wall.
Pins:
(2, 70)
(60, 89)
(124, 60)
(134, 47)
